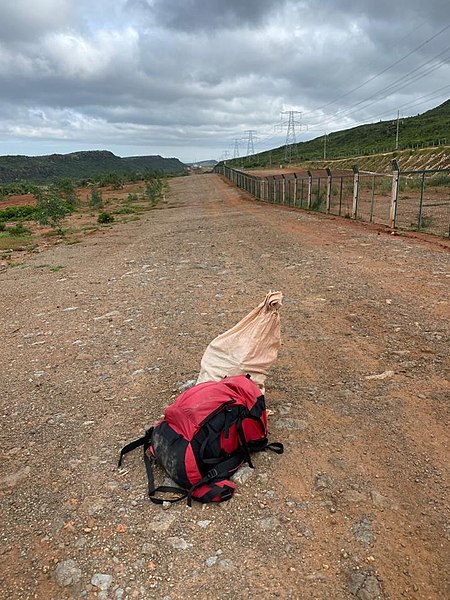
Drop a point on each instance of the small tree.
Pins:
(153, 190)
(50, 209)
(115, 180)
(96, 200)
(67, 191)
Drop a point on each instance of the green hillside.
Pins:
(82, 165)
(427, 129)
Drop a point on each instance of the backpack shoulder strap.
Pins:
(142, 441)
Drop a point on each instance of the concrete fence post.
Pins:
(295, 189)
(355, 191)
(394, 194)
(283, 189)
(329, 182)
(310, 178)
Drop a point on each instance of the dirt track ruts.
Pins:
(98, 337)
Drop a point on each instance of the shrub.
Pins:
(18, 187)
(105, 217)
(13, 213)
(50, 209)
(18, 230)
(2, 226)
(153, 190)
(67, 191)
(96, 200)
(125, 210)
(318, 201)
(115, 180)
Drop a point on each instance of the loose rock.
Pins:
(68, 573)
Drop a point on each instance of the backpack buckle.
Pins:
(211, 474)
(227, 495)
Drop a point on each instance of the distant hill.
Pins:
(82, 165)
(421, 130)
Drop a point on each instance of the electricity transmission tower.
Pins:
(290, 147)
(250, 142)
(236, 149)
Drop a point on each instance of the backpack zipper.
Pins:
(216, 412)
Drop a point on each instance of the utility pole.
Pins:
(290, 146)
(396, 135)
(236, 149)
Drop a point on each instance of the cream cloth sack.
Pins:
(251, 346)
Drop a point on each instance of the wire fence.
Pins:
(414, 200)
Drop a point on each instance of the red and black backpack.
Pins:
(205, 436)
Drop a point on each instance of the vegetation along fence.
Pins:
(414, 200)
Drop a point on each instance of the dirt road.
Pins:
(98, 337)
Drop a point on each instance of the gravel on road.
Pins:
(98, 337)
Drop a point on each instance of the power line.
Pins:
(291, 137)
(421, 100)
(391, 87)
(385, 69)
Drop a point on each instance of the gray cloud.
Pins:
(207, 15)
(188, 77)
(22, 20)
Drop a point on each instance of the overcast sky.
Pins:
(187, 78)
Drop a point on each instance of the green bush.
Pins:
(13, 213)
(318, 201)
(124, 210)
(50, 209)
(2, 225)
(66, 190)
(115, 180)
(18, 230)
(19, 187)
(153, 190)
(105, 217)
(96, 200)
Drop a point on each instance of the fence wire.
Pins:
(414, 200)
(424, 201)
